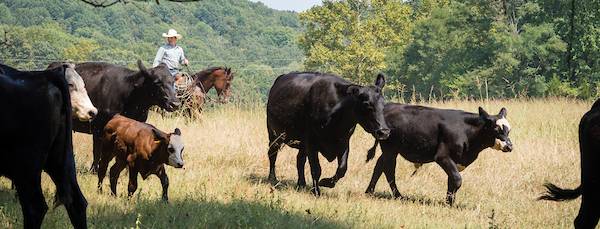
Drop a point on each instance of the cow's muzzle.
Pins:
(504, 146)
(381, 134)
(173, 105)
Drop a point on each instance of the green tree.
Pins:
(351, 37)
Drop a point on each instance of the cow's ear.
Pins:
(353, 90)
(483, 114)
(177, 132)
(158, 135)
(502, 113)
(380, 81)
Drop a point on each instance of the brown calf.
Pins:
(140, 147)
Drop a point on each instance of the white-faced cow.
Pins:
(589, 147)
(140, 147)
(35, 135)
(118, 90)
(451, 138)
(82, 107)
(316, 112)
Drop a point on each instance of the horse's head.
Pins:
(223, 80)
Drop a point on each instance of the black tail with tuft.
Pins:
(371, 152)
(555, 193)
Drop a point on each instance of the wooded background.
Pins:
(430, 49)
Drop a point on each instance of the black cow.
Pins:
(589, 146)
(115, 89)
(36, 135)
(316, 112)
(451, 138)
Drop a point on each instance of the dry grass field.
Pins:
(224, 182)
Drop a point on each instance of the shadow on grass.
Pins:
(206, 214)
(185, 213)
(8, 195)
(421, 200)
(280, 185)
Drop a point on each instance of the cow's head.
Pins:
(82, 107)
(160, 86)
(498, 127)
(368, 107)
(174, 146)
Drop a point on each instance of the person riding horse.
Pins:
(171, 54)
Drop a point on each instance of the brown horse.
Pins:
(218, 77)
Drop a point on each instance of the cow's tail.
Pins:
(371, 152)
(554, 193)
(67, 188)
(59, 162)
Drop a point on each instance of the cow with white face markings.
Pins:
(451, 138)
(81, 105)
(140, 147)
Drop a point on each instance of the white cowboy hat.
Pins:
(172, 33)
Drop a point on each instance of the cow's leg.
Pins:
(33, 204)
(96, 151)
(454, 178)
(376, 174)
(274, 146)
(340, 172)
(315, 169)
(300, 163)
(69, 194)
(588, 214)
(115, 170)
(133, 184)
(389, 168)
(164, 181)
(102, 167)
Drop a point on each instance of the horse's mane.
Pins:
(206, 72)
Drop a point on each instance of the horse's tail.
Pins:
(371, 152)
(554, 193)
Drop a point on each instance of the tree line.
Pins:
(446, 49)
(430, 49)
(254, 40)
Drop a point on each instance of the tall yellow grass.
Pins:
(224, 181)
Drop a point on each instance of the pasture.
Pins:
(224, 181)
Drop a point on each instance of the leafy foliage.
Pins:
(237, 34)
(351, 37)
(460, 49)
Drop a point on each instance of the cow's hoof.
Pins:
(301, 185)
(327, 182)
(272, 180)
(315, 191)
(370, 192)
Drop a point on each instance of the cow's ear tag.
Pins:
(156, 141)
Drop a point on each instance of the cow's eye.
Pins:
(171, 149)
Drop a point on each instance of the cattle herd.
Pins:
(312, 112)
